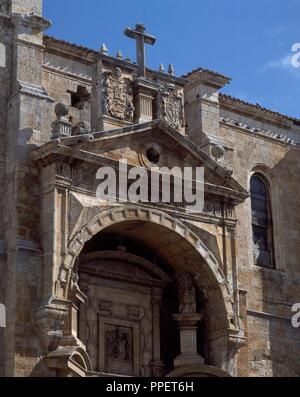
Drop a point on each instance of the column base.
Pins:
(158, 369)
(188, 359)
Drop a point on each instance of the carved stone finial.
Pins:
(62, 126)
(128, 59)
(119, 55)
(161, 68)
(171, 70)
(104, 50)
(61, 110)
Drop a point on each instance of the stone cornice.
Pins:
(269, 316)
(117, 62)
(256, 111)
(48, 153)
(163, 76)
(35, 22)
(69, 50)
(6, 18)
(212, 166)
(207, 77)
(34, 91)
(73, 76)
(274, 137)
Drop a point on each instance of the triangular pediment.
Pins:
(171, 149)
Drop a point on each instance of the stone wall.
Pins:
(272, 292)
(5, 78)
(252, 144)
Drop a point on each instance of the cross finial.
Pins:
(141, 38)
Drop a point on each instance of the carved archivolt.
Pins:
(117, 96)
(115, 215)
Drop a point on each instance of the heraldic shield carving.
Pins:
(172, 106)
(118, 96)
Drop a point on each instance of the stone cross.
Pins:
(141, 38)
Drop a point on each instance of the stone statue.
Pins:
(130, 112)
(187, 294)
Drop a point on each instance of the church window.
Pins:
(262, 229)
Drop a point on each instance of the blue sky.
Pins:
(249, 41)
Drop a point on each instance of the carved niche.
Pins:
(118, 96)
(172, 106)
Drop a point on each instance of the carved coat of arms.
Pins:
(172, 106)
(118, 96)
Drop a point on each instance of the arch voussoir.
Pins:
(115, 215)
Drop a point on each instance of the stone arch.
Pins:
(70, 360)
(266, 172)
(120, 214)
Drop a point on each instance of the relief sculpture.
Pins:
(117, 343)
(172, 106)
(118, 96)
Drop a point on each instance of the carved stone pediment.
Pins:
(172, 106)
(118, 96)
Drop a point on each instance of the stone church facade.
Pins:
(96, 288)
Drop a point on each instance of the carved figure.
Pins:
(117, 345)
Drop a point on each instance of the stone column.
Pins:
(157, 364)
(26, 104)
(187, 320)
(77, 298)
(188, 326)
(145, 93)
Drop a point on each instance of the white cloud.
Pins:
(284, 64)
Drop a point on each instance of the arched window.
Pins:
(262, 226)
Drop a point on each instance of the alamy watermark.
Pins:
(155, 185)
(2, 316)
(296, 317)
(295, 59)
